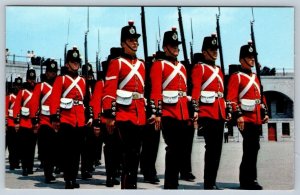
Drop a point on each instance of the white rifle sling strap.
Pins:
(47, 94)
(134, 71)
(74, 84)
(248, 86)
(176, 70)
(28, 98)
(212, 77)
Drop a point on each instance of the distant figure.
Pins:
(6, 55)
(28, 56)
(226, 133)
(31, 57)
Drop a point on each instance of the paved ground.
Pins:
(275, 170)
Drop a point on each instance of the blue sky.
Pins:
(45, 29)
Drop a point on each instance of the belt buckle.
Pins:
(220, 94)
(76, 102)
(257, 101)
(135, 96)
(180, 93)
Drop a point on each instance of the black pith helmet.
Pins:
(18, 81)
(73, 55)
(210, 42)
(30, 75)
(171, 38)
(87, 70)
(247, 50)
(51, 65)
(129, 31)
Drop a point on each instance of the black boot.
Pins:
(109, 182)
(86, 175)
(68, 185)
(25, 172)
(75, 184)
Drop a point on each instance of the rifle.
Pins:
(186, 60)
(257, 67)
(192, 42)
(158, 40)
(144, 32)
(65, 52)
(88, 112)
(220, 43)
(228, 105)
(148, 61)
(255, 56)
(85, 40)
(97, 59)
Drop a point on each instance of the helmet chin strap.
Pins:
(171, 52)
(73, 70)
(247, 62)
(130, 47)
(210, 55)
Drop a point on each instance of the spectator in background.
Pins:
(28, 56)
(226, 133)
(6, 55)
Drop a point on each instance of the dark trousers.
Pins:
(175, 135)
(130, 137)
(71, 142)
(213, 135)
(27, 147)
(48, 148)
(89, 150)
(150, 145)
(186, 166)
(12, 146)
(99, 147)
(251, 146)
(112, 152)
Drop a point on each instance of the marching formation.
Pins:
(70, 116)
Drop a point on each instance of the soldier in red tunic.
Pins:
(11, 134)
(169, 104)
(209, 106)
(23, 124)
(40, 114)
(124, 103)
(245, 97)
(67, 116)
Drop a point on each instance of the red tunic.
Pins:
(201, 74)
(161, 81)
(9, 106)
(237, 83)
(118, 76)
(41, 96)
(22, 100)
(75, 115)
(96, 100)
